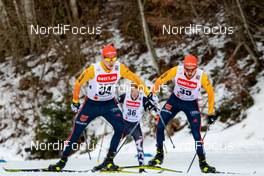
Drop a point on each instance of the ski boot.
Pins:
(108, 164)
(205, 167)
(158, 159)
(141, 170)
(59, 165)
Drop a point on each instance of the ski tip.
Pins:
(8, 170)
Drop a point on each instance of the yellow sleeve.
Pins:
(86, 75)
(126, 73)
(210, 91)
(165, 77)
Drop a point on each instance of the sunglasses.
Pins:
(110, 59)
(189, 70)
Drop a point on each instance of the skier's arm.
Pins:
(210, 91)
(121, 98)
(86, 75)
(165, 77)
(126, 73)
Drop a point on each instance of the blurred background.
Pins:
(38, 71)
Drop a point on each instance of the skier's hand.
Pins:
(156, 116)
(75, 107)
(153, 99)
(211, 119)
(148, 105)
(157, 119)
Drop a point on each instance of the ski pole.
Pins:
(165, 148)
(167, 132)
(133, 129)
(163, 123)
(101, 145)
(87, 146)
(207, 129)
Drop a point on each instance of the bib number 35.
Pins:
(185, 92)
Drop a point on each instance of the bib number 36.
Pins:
(131, 112)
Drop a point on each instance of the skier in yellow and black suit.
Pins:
(188, 80)
(100, 100)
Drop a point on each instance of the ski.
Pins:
(151, 168)
(72, 171)
(42, 170)
(118, 171)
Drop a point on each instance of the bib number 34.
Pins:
(105, 89)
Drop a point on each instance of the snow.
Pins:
(229, 161)
(239, 148)
(236, 149)
(249, 131)
(221, 94)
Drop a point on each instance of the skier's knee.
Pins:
(197, 137)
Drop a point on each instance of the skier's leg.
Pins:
(168, 112)
(114, 116)
(194, 118)
(138, 138)
(85, 115)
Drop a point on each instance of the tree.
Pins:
(30, 18)
(74, 10)
(147, 36)
(253, 43)
(3, 15)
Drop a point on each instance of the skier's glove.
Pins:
(75, 107)
(211, 119)
(153, 99)
(148, 105)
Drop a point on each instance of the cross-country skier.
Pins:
(134, 103)
(102, 78)
(188, 80)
